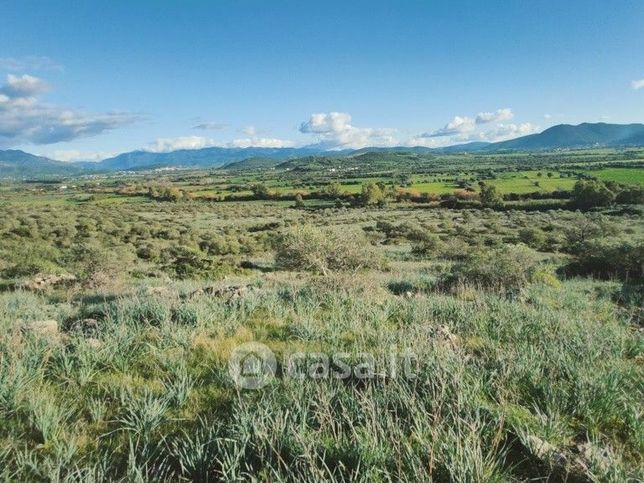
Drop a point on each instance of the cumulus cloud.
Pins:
(24, 119)
(335, 131)
(211, 126)
(464, 126)
(457, 126)
(165, 145)
(327, 123)
(22, 87)
(485, 126)
(30, 62)
(637, 84)
(503, 132)
(497, 116)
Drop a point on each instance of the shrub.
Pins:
(260, 191)
(373, 194)
(299, 202)
(533, 237)
(591, 193)
(185, 262)
(489, 196)
(448, 201)
(325, 250)
(167, 194)
(506, 268)
(334, 190)
(609, 257)
(427, 245)
(631, 195)
(30, 259)
(585, 227)
(405, 230)
(148, 251)
(220, 245)
(95, 266)
(455, 248)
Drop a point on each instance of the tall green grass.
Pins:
(498, 380)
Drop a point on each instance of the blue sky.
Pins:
(83, 80)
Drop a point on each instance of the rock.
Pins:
(43, 328)
(590, 456)
(86, 327)
(94, 343)
(444, 334)
(546, 451)
(228, 292)
(44, 281)
(232, 291)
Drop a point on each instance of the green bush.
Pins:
(324, 251)
(427, 245)
(489, 196)
(403, 231)
(586, 227)
(591, 193)
(30, 259)
(94, 265)
(533, 237)
(511, 267)
(185, 262)
(609, 257)
(631, 195)
(373, 194)
(260, 191)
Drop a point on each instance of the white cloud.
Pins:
(484, 127)
(457, 126)
(327, 123)
(24, 119)
(497, 116)
(335, 131)
(72, 155)
(30, 62)
(637, 84)
(249, 131)
(165, 145)
(503, 132)
(464, 126)
(23, 87)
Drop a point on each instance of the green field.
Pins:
(486, 339)
(620, 175)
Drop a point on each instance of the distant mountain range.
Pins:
(206, 157)
(18, 164)
(565, 136)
